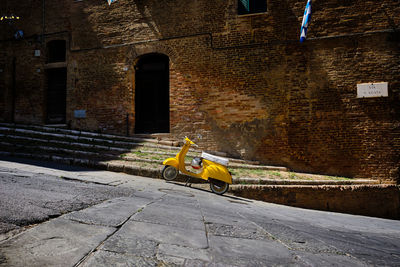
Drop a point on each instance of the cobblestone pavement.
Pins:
(147, 222)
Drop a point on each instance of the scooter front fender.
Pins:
(172, 162)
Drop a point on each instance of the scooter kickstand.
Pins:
(187, 182)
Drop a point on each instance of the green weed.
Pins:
(140, 154)
(275, 173)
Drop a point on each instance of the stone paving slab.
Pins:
(247, 230)
(128, 244)
(110, 213)
(59, 242)
(178, 197)
(312, 259)
(247, 252)
(107, 258)
(183, 217)
(158, 233)
(184, 252)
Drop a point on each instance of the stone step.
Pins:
(102, 142)
(16, 139)
(84, 143)
(75, 150)
(84, 136)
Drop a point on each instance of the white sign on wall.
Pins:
(372, 90)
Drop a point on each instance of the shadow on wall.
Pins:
(275, 101)
(99, 81)
(291, 111)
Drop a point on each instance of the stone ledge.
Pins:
(262, 181)
(369, 200)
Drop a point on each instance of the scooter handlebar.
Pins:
(190, 141)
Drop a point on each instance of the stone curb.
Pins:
(121, 166)
(263, 181)
(240, 188)
(378, 200)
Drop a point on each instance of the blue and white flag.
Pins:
(110, 1)
(306, 21)
(246, 4)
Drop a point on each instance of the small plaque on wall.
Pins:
(372, 90)
(80, 113)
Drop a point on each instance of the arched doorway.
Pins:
(152, 94)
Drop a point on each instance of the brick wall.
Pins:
(244, 83)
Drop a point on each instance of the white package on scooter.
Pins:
(213, 158)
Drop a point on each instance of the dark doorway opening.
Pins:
(56, 95)
(152, 94)
(56, 51)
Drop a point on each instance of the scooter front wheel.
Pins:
(218, 187)
(169, 173)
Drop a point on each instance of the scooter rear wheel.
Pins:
(169, 173)
(218, 187)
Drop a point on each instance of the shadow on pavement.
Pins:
(47, 164)
(225, 196)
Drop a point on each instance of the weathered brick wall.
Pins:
(244, 83)
(5, 93)
(29, 84)
(99, 84)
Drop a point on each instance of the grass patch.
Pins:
(140, 154)
(156, 157)
(260, 174)
(337, 178)
(233, 172)
(251, 173)
(275, 173)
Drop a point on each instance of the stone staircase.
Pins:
(138, 155)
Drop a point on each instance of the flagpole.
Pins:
(306, 21)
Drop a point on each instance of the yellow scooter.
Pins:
(213, 168)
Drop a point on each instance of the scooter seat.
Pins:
(213, 158)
